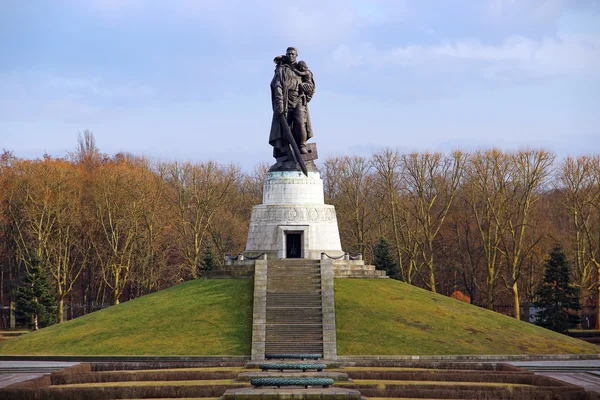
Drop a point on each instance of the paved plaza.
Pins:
(584, 373)
(19, 371)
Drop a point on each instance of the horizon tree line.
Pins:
(108, 228)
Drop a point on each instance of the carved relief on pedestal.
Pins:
(298, 214)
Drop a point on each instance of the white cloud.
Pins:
(550, 56)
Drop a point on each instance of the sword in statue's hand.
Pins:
(292, 142)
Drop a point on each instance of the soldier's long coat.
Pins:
(283, 80)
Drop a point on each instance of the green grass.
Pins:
(373, 317)
(200, 317)
(387, 317)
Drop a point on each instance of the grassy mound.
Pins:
(201, 317)
(386, 317)
(373, 317)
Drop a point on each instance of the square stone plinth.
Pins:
(331, 393)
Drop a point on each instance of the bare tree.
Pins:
(387, 164)
(487, 177)
(197, 193)
(431, 181)
(576, 182)
(352, 186)
(529, 172)
(118, 206)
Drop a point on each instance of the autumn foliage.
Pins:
(458, 295)
(107, 228)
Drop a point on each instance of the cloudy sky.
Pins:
(189, 79)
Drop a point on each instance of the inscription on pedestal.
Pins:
(294, 214)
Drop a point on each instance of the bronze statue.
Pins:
(292, 89)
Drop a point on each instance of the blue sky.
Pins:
(189, 80)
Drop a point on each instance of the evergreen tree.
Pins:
(209, 261)
(384, 260)
(556, 298)
(34, 298)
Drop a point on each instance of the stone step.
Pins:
(299, 338)
(332, 393)
(288, 271)
(296, 290)
(295, 347)
(298, 322)
(302, 340)
(294, 261)
(274, 334)
(294, 309)
(294, 329)
(289, 303)
(294, 278)
(316, 348)
(338, 273)
(300, 266)
(291, 279)
(284, 295)
(354, 268)
(293, 314)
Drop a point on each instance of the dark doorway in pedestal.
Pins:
(293, 245)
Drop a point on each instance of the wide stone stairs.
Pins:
(294, 314)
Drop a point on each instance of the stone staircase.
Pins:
(355, 269)
(294, 313)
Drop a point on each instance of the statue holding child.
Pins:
(292, 89)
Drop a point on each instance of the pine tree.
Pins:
(209, 261)
(384, 260)
(34, 298)
(556, 298)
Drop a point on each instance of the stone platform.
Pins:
(336, 376)
(293, 204)
(331, 393)
(253, 364)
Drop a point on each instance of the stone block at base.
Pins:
(331, 393)
(293, 205)
(336, 376)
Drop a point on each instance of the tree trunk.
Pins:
(432, 279)
(517, 308)
(490, 295)
(59, 309)
(598, 303)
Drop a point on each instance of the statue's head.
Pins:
(302, 66)
(291, 54)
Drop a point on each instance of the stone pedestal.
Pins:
(293, 204)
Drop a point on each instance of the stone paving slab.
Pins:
(19, 371)
(9, 379)
(589, 382)
(36, 364)
(591, 364)
(331, 393)
(584, 373)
